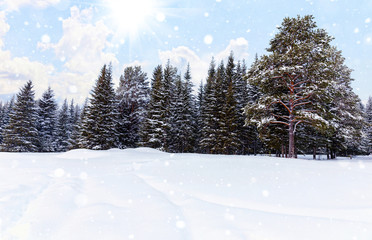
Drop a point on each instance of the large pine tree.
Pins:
(99, 126)
(291, 78)
(20, 134)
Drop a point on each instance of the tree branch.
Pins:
(295, 127)
(303, 98)
(278, 116)
(299, 104)
(305, 81)
(281, 102)
(280, 122)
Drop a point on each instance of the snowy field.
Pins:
(146, 194)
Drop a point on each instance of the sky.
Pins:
(64, 43)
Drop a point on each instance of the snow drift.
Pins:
(146, 194)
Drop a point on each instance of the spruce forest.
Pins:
(297, 99)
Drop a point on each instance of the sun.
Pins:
(130, 16)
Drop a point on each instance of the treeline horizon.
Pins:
(296, 100)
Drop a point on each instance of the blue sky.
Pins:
(64, 43)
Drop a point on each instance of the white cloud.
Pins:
(15, 71)
(135, 63)
(182, 55)
(83, 44)
(4, 27)
(239, 47)
(82, 48)
(14, 5)
(73, 85)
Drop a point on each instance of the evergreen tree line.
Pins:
(297, 99)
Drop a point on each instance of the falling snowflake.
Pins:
(45, 38)
(208, 39)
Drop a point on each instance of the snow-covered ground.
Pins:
(146, 194)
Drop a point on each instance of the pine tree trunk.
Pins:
(291, 152)
(255, 147)
(327, 149)
(286, 152)
(295, 152)
(314, 152)
(283, 151)
(291, 130)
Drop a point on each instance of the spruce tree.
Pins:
(230, 119)
(79, 137)
(368, 115)
(245, 133)
(189, 113)
(222, 110)
(100, 124)
(169, 98)
(133, 97)
(198, 117)
(153, 132)
(74, 116)
(178, 122)
(74, 113)
(253, 95)
(208, 114)
(2, 116)
(183, 112)
(20, 134)
(63, 128)
(47, 115)
(343, 109)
